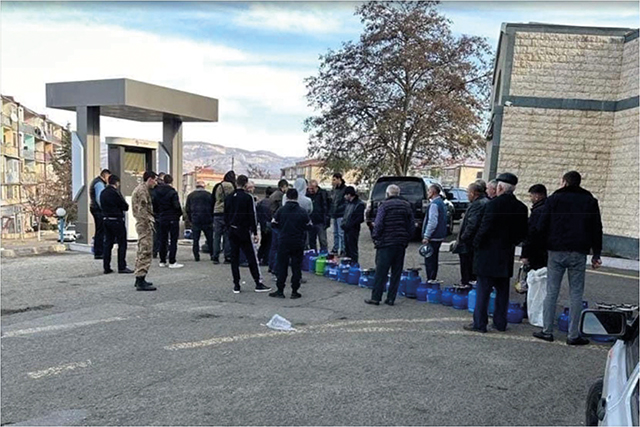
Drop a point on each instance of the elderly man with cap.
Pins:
(503, 226)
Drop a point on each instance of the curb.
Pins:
(39, 250)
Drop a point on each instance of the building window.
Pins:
(479, 175)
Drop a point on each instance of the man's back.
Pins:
(112, 203)
(166, 204)
(292, 221)
(239, 211)
(570, 220)
(394, 223)
(199, 206)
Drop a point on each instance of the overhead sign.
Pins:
(132, 142)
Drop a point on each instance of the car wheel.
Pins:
(593, 400)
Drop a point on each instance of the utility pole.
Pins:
(233, 161)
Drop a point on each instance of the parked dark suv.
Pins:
(460, 200)
(414, 190)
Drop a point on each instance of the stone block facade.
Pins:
(569, 101)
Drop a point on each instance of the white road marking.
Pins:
(56, 370)
(30, 331)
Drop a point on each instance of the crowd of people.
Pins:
(558, 235)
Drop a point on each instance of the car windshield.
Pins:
(410, 190)
(461, 195)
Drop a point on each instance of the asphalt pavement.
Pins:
(82, 348)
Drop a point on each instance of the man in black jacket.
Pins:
(468, 229)
(392, 231)
(534, 252)
(292, 223)
(113, 208)
(96, 187)
(319, 216)
(199, 210)
(156, 234)
(240, 218)
(338, 205)
(503, 226)
(263, 211)
(276, 204)
(353, 217)
(572, 227)
(167, 207)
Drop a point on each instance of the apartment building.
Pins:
(29, 140)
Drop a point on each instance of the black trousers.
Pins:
(265, 244)
(168, 231)
(431, 263)
(196, 229)
(114, 232)
(98, 238)
(390, 257)
(481, 313)
(240, 240)
(351, 243)
(289, 253)
(466, 268)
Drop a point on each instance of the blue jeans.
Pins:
(338, 236)
(576, 265)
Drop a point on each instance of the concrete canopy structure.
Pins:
(130, 100)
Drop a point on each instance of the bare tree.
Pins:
(36, 201)
(407, 90)
(256, 172)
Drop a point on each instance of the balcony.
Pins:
(6, 121)
(8, 150)
(27, 129)
(11, 177)
(40, 157)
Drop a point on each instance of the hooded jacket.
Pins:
(221, 191)
(304, 202)
(166, 204)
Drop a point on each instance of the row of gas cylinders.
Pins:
(411, 286)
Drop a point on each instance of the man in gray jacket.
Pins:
(468, 230)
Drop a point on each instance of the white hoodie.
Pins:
(304, 202)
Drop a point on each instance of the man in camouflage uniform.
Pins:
(142, 208)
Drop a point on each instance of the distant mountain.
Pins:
(219, 157)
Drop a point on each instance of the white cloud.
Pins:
(32, 54)
(299, 18)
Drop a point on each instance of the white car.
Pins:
(69, 234)
(613, 399)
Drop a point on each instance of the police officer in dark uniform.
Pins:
(96, 187)
(113, 208)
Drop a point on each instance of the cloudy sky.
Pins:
(253, 56)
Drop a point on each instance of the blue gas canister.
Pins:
(471, 301)
(563, 320)
(515, 313)
(367, 277)
(343, 269)
(421, 293)
(412, 282)
(458, 299)
(434, 295)
(447, 296)
(354, 274)
(492, 302)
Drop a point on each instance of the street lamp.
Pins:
(61, 213)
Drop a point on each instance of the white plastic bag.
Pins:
(279, 323)
(537, 282)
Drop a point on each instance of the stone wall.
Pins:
(628, 86)
(566, 66)
(539, 145)
(620, 205)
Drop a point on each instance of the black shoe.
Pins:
(295, 295)
(470, 328)
(125, 271)
(277, 294)
(303, 280)
(143, 285)
(389, 302)
(495, 328)
(577, 341)
(155, 255)
(226, 261)
(196, 259)
(109, 271)
(97, 257)
(543, 336)
(215, 261)
(244, 264)
(236, 289)
(262, 288)
(372, 302)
